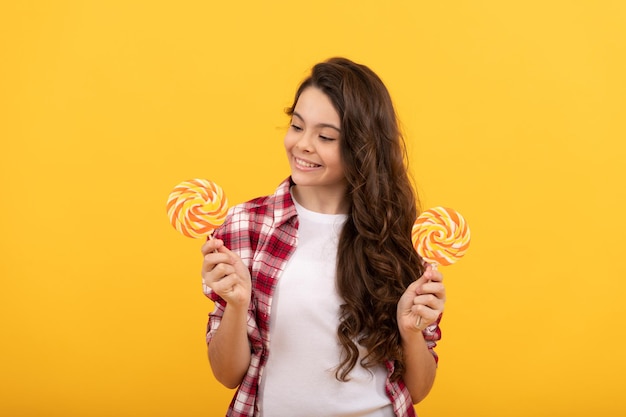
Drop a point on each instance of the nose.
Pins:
(305, 142)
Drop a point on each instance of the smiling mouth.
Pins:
(305, 164)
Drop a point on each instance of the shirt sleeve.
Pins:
(215, 318)
(432, 334)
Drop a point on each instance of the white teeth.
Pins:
(305, 164)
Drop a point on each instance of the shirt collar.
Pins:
(284, 208)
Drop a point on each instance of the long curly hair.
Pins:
(376, 261)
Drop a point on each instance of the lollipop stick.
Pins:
(433, 266)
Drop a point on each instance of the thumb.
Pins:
(413, 288)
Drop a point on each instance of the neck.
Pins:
(326, 201)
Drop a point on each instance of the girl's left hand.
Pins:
(424, 298)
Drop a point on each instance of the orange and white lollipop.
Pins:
(440, 236)
(197, 207)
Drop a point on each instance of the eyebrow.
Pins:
(319, 124)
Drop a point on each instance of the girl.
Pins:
(322, 306)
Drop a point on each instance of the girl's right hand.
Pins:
(225, 273)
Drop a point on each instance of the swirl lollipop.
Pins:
(440, 236)
(197, 207)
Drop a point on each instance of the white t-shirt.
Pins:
(299, 378)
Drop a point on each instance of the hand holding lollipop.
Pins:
(196, 208)
(440, 236)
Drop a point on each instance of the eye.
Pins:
(326, 138)
(296, 127)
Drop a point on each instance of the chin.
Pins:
(298, 180)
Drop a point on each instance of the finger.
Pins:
(224, 285)
(432, 274)
(425, 277)
(428, 300)
(222, 269)
(413, 287)
(232, 256)
(426, 317)
(218, 271)
(211, 245)
(428, 305)
(212, 259)
(435, 299)
(436, 288)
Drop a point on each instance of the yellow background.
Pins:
(514, 113)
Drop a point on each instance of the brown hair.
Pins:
(376, 260)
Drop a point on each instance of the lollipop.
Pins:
(440, 236)
(197, 207)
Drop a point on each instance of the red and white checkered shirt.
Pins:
(264, 232)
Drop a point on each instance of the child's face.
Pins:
(312, 142)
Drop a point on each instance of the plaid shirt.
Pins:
(263, 232)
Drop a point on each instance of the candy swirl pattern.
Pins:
(441, 236)
(197, 207)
